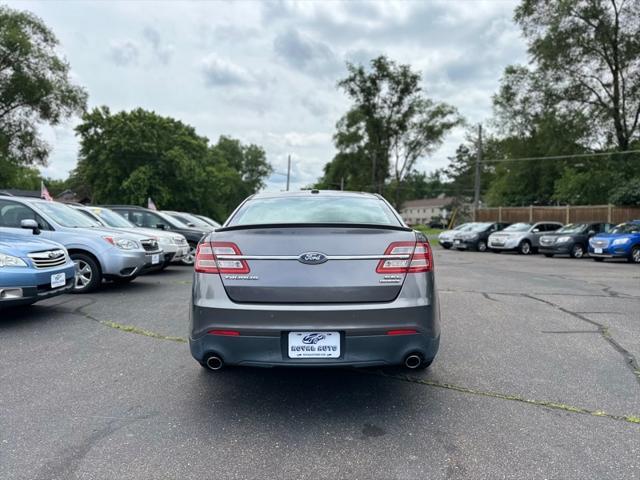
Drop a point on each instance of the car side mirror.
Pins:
(30, 225)
(191, 224)
(536, 230)
(161, 226)
(591, 233)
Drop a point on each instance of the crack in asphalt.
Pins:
(629, 359)
(634, 419)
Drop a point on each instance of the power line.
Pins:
(559, 157)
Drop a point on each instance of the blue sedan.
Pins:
(622, 242)
(32, 269)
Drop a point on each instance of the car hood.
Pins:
(105, 231)
(147, 232)
(21, 245)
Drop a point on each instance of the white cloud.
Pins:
(266, 72)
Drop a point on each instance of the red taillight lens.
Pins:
(412, 258)
(402, 332)
(208, 261)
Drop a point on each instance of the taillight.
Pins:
(208, 261)
(412, 258)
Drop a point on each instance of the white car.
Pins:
(521, 237)
(175, 245)
(445, 239)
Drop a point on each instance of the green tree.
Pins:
(35, 90)
(129, 156)
(389, 127)
(588, 53)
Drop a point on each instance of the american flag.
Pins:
(44, 193)
(151, 205)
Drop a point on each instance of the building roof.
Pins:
(20, 193)
(428, 202)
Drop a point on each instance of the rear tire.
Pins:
(190, 258)
(446, 247)
(634, 257)
(525, 248)
(88, 275)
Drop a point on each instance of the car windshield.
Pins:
(479, 227)
(187, 218)
(627, 228)
(572, 228)
(518, 227)
(210, 221)
(64, 215)
(315, 209)
(111, 219)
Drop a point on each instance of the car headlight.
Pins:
(122, 243)
(563, 239)
(620, 241)
(11, 261)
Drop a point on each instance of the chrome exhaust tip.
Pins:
(214, 363)
(412, 361)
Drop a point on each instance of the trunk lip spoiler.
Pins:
(329, 257)
(258, 226)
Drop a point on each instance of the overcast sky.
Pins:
(266, 72)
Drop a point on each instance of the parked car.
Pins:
(290, 265)
(572, 239)
(210, 221)
(98, 253)
(476, 236)
(32, 269)
(144, 217)
(190, 220)
(445, 239)
(521, 237)
(174, 245)
(622, 242)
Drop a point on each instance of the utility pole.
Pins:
(476, 187)
(288, 170)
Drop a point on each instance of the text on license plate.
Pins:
(314, 345)
(597, 250)
(58, 280)
(155, 259)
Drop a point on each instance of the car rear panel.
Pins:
(348, 276)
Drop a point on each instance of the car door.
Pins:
(12, 214)
(538, 230)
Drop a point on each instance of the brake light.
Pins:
(207, 260)
(413, 258)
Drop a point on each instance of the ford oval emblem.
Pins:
(312, 258)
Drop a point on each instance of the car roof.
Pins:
(314, 192)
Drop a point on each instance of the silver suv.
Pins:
(521, 237)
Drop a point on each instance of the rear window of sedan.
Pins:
(315, 209)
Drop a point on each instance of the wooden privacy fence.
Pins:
(565, 214)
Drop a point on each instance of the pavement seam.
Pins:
(633, 419)
(629, 359)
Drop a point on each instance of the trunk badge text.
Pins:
(241, 277)
(391, 279)
(312, 258)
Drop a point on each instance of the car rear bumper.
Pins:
(270, 350)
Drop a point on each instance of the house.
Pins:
(415, 212)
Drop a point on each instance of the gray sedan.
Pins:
(314, 279)
(521, 237)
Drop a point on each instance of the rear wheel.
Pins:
(88, 274)
(482, 246)
(446, 247)
(577, 251)
(524, 248)
(634, 257)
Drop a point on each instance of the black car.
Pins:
(476, 237)
(144, 217)
(572, 239)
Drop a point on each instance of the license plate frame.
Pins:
(597, 250)
(58, 280)
(318, 344)
(155, 259)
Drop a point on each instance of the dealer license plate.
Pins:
(314, 345)
(597, 250)
(456, 242)
(58, 280)
(155, 259)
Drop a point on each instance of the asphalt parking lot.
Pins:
(537, 377)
